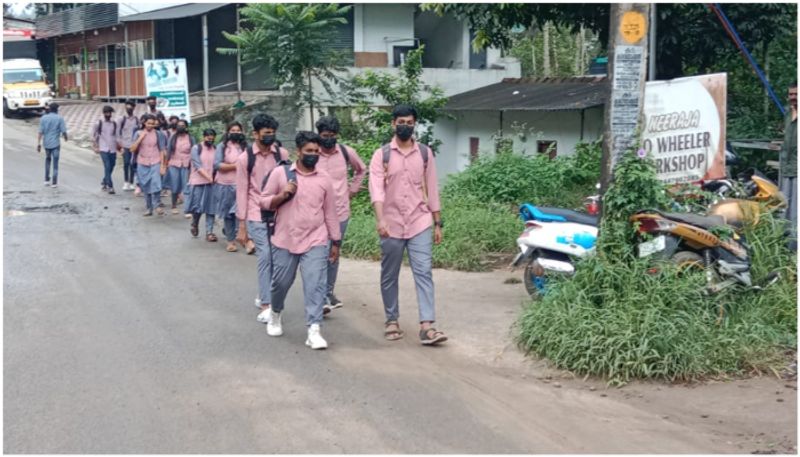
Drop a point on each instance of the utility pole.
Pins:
(627, 69)
(205, 63)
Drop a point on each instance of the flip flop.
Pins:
(393, 334)
(231, 248)
(175, 211)
(432, 337)
(211, 238)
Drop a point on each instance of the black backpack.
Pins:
(267, 215)
(99, 128)
(387, 151)
(251, 158)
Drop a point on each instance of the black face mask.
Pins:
(181, 129)
(129, 111)
(209, 143)
(404, 131)
(152, 106)
(236, 137)
(310, 161)
(108, 117)
(173, 126)
(328, 143)
(267, 140)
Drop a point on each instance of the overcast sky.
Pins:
(23, 9)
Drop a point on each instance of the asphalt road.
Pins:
(122, 334)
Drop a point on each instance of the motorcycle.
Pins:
(553, 239)
(689, 241)
(741, 201)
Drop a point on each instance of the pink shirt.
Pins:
(106, 135)
(148, 153)
(230, 154)
(204, 161)
(309, 218)
(333, 163)
(248, 189)
(181, 157)
(404, 207)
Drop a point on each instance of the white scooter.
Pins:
(551, 242)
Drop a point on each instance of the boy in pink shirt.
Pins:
(334, 159)
(251, 168)
(405, 195)
(304, 203)
(105, 142)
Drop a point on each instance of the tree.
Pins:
(407, 88)
(292, 41)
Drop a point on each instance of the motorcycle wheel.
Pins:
(686, 260)
(535, 279)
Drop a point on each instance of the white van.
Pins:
(24, 86)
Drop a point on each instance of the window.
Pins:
(548, 147)
(22, 76)
(138, 51)
(473, 149)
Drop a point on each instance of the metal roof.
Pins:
(75, 20)
(534, 94)
(174, 12)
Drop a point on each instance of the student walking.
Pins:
(405, 195)
(128, 125)
(228, 151)
(305, 222)
(151, 149)
(251, 168)
(51, 127)
(334, 159)
(105, 143)
(199, 194)
(179, 149)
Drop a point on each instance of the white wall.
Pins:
(384, 24)
(443, 38)
(561, 126)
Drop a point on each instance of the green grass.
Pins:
(616, 321)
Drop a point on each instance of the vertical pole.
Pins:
(238, 59)
(627, 46)
(651, 73)
(205, 63)
(583, 115)
(127, 63)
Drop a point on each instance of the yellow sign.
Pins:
(633, 27)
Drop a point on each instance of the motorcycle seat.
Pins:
(706, 222)
(570, 215)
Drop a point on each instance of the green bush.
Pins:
(472, 230)
(514, 179)
(618, 320)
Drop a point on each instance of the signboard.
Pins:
(629, 65)
(632, 27)
(166, 79)
(684, 127)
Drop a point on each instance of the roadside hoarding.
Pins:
(166, 79)
(684, 128)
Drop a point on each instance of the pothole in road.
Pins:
(58, 208)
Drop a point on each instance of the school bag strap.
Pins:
(268, 215)
(251, 158)
(99, 129)
(386, 149)
(345, 154)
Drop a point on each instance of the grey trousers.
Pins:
(257, 231)
(789, 189)
(313, 266)
(420, 256)
(333, 268)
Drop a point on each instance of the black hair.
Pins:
(403, 110)
(327, 124)
(264, 121)
(130, 102)
(242, 143)
(304, 137)
(53, 107)
(108, 109)
(209, 131)
(174, 117)
(150, 97)
(184, 121)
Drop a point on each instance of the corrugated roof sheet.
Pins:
(534, 94)
(174, 12)
(78, 19)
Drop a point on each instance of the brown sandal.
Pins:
(431, 336)
(211, 238)
(231, 247)
(392, 334)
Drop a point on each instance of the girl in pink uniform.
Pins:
(233, 144)
(179, 150)
(201, 184)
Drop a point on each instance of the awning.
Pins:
(534, 94)
(174, 12)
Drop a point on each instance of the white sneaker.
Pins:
(47, 184)
(315, 339)
(263, 316)
(274, 327)
(258, 302)
(53, 185)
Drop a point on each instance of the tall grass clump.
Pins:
(619, 319)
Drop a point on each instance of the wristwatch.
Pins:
(439, 224)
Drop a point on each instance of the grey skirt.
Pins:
(177, 179)
(199, 199)
(224, 199)
(149, 178)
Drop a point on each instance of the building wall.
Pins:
(560, 126)
(443, 38)
(385, 25)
